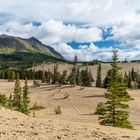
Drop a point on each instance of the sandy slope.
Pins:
(126, 67)
(77, 120)
(16, 126)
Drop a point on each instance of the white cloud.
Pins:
(52, 32)
(128, 31)
(122, 15)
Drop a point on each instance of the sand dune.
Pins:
(16, 126)
(126, 67)
(77, 121)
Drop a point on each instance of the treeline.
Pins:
(75, 77)
(131, 79)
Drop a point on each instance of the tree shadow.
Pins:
(93, 96)
(88, 114)
(59, 98)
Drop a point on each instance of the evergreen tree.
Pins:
(99, 79)
(48, 76)
(13, 76)
(86, 78)
(26, 99)
(106, 80)
(130, 80)
(9, 75)
(64, 77)
(138, 82)
(72, 77)
(78, 77)
(10, 102)
(73, 74)
(117, 96)
(43, 79)
(55, 75)
(17, 96)
(133, 74)
(75, 60)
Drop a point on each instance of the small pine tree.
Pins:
(10, 102)
(13, 76)
(130, 80)
(64, 77)
(26, 99)
(133, 74)
(17, 96)
(99, 78)
(138, 86)
(72, 77)
(106, 80)
(78, 77)
(55, 75)
(117, 96)
(43, 79)
(86, 78)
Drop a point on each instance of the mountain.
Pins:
(15, 50)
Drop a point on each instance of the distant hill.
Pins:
(19, 51)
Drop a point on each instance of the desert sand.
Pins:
(77, 121)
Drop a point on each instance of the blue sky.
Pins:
(89, 29)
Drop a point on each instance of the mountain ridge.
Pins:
(26, 50)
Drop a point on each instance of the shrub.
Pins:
(37, 107)
(57, 110)
(3, 100)
(36, 83)
(66, 95)
(100, 109)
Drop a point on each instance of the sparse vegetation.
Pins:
(57, 110)
(36, 83)
(100, 109)
(37, 107)
(3, 100)
(66, 96)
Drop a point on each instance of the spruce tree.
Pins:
(78, 77)
(55, 75)
(117, 97)
(99, 78)
(17, 96)
(106, 80)
(43, 79)
(26, 99)
(73, 74)
(64, 77)
(86, 78)
(13, 75)
(133, 74)
(130, 80)
(72, 77)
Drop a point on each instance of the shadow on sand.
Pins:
(93, 96)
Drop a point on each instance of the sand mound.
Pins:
(16, 126)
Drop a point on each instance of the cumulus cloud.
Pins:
(128, 32)
(53, 31)
(85, 21)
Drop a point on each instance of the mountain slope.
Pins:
(19, 50)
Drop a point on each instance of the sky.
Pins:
(89, 29)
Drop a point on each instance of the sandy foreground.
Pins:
(77, 121)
